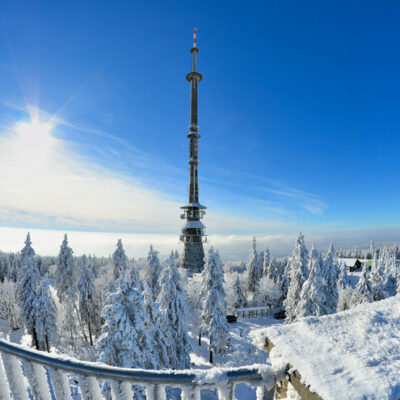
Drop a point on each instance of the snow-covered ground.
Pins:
(242, 352)
(350, 355)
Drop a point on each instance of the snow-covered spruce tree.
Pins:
(13, 267)
(3, 266)
(274, 270)
(27, 251)
(268, 293)
(378, 279)
(398, 284)
(331, 271)
(266, 263)
(344, 289)
(124, 340)
(283, 276)
(89, 300)
(363, 292)
(313, 299)
(44, 317)
(239, 300)
(66, 271)
(9, 306)
(42, 266)
(159, 346)
(153, 271)
(213, 317)
(174, 316)
(253, 268)
(27, 289)
(120, 261)
(298, 274)
(390, 272)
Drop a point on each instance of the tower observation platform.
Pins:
(193, 235)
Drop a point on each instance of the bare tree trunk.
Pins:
(199, 337)
(35, 339)
(80, 323)
(90, 333)
(47, 343)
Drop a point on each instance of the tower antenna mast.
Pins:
(193, 234)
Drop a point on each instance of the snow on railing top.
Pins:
(256, 373)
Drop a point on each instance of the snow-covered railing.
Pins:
(254, 311)
(24, 371)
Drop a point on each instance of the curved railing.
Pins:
(44, 376)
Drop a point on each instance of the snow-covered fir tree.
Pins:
(363, 292)
(298, 274)
(331, 271)
(159, 346)
(9, 306)
(390, 271)
(378, 279)
(13, 267)
(174, 315)
(4, 265)
(239, 300)
(266, 263)
(268, 293)
(66, 272)
(27, 251)
(120, 261)
(253, 268)
(89, 300)
(124, 340)
(27, 290)
(44, 317)
(153, 271)
(313, 299)
(344, 289)
(214, 323)
(398, 284)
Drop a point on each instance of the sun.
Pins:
(35, 133)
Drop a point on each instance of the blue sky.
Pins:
(298, 112)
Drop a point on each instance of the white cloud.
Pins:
(231, 247)
(44, 183)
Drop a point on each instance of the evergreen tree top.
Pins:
(28, 251)
(120, 260)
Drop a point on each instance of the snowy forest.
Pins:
(148, 313)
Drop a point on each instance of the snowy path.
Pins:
(242, 352)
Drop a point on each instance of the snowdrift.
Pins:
(354, 354)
